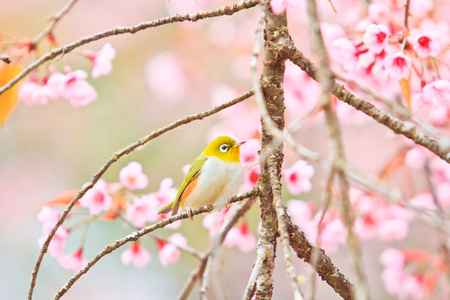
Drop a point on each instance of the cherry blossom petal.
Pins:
(73, 261)
(398, 65)
(136, 255)
(427, 44)
(132, 178)
(97, 198)
(298, 176)
(376, 38)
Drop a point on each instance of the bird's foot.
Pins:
(190, 213)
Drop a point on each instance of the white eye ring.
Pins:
(223, 148)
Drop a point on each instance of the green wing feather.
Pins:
(193, 172)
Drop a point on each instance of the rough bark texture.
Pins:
(324, 266)
(272, 87)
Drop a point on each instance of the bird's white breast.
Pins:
(218, 180)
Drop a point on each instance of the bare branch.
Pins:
(284, 235)
(238, 213)
(141, 142)
(177, 18)
(138, 234)
(193, 279)
(324, 266)
(337, 148)
(399, 127)
(54, 20)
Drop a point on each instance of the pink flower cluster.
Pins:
(72, 85)
(111, 200)
(375, 218)
(414, 274)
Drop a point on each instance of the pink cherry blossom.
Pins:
(427, 44)
(298, 176)
(58, 241)
(376, 38)
(166, 192)
(136, 255)
(33, 93)
(143, 210)
(49, 216)
(437, 93)
(74, 87)
(398, 65)
(168, 252)
(102, 60)
(97, 199)
(241, 237)
(132, 178)
(163, 196)
(73, 261)
(377, 219)
(410, 273)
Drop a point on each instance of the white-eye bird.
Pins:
(215, 175)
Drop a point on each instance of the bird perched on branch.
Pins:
(215, 175)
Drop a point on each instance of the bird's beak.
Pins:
(237, 145)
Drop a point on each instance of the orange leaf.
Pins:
(406, 90)
(9, 99)
(393, 164)
(63, 198)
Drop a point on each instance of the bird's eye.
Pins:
(223, 148)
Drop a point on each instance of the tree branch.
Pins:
(141, 142)
(325, 79)
(323, 266)
(399, 127)
(138, 234)
(177, 18)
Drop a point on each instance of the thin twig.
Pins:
(325, 79)
(205, 278)
(141, 142)
(193, 17)
(193, 279)
(400, 111)
(368, 181)
(237, 214)
(324, 267)
(399, 127)
(284, 235)
(138, 234)
(315, 254)
(54, 20)
(262, 254)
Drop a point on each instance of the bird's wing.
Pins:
(191, 177)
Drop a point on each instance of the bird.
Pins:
(215, 175)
